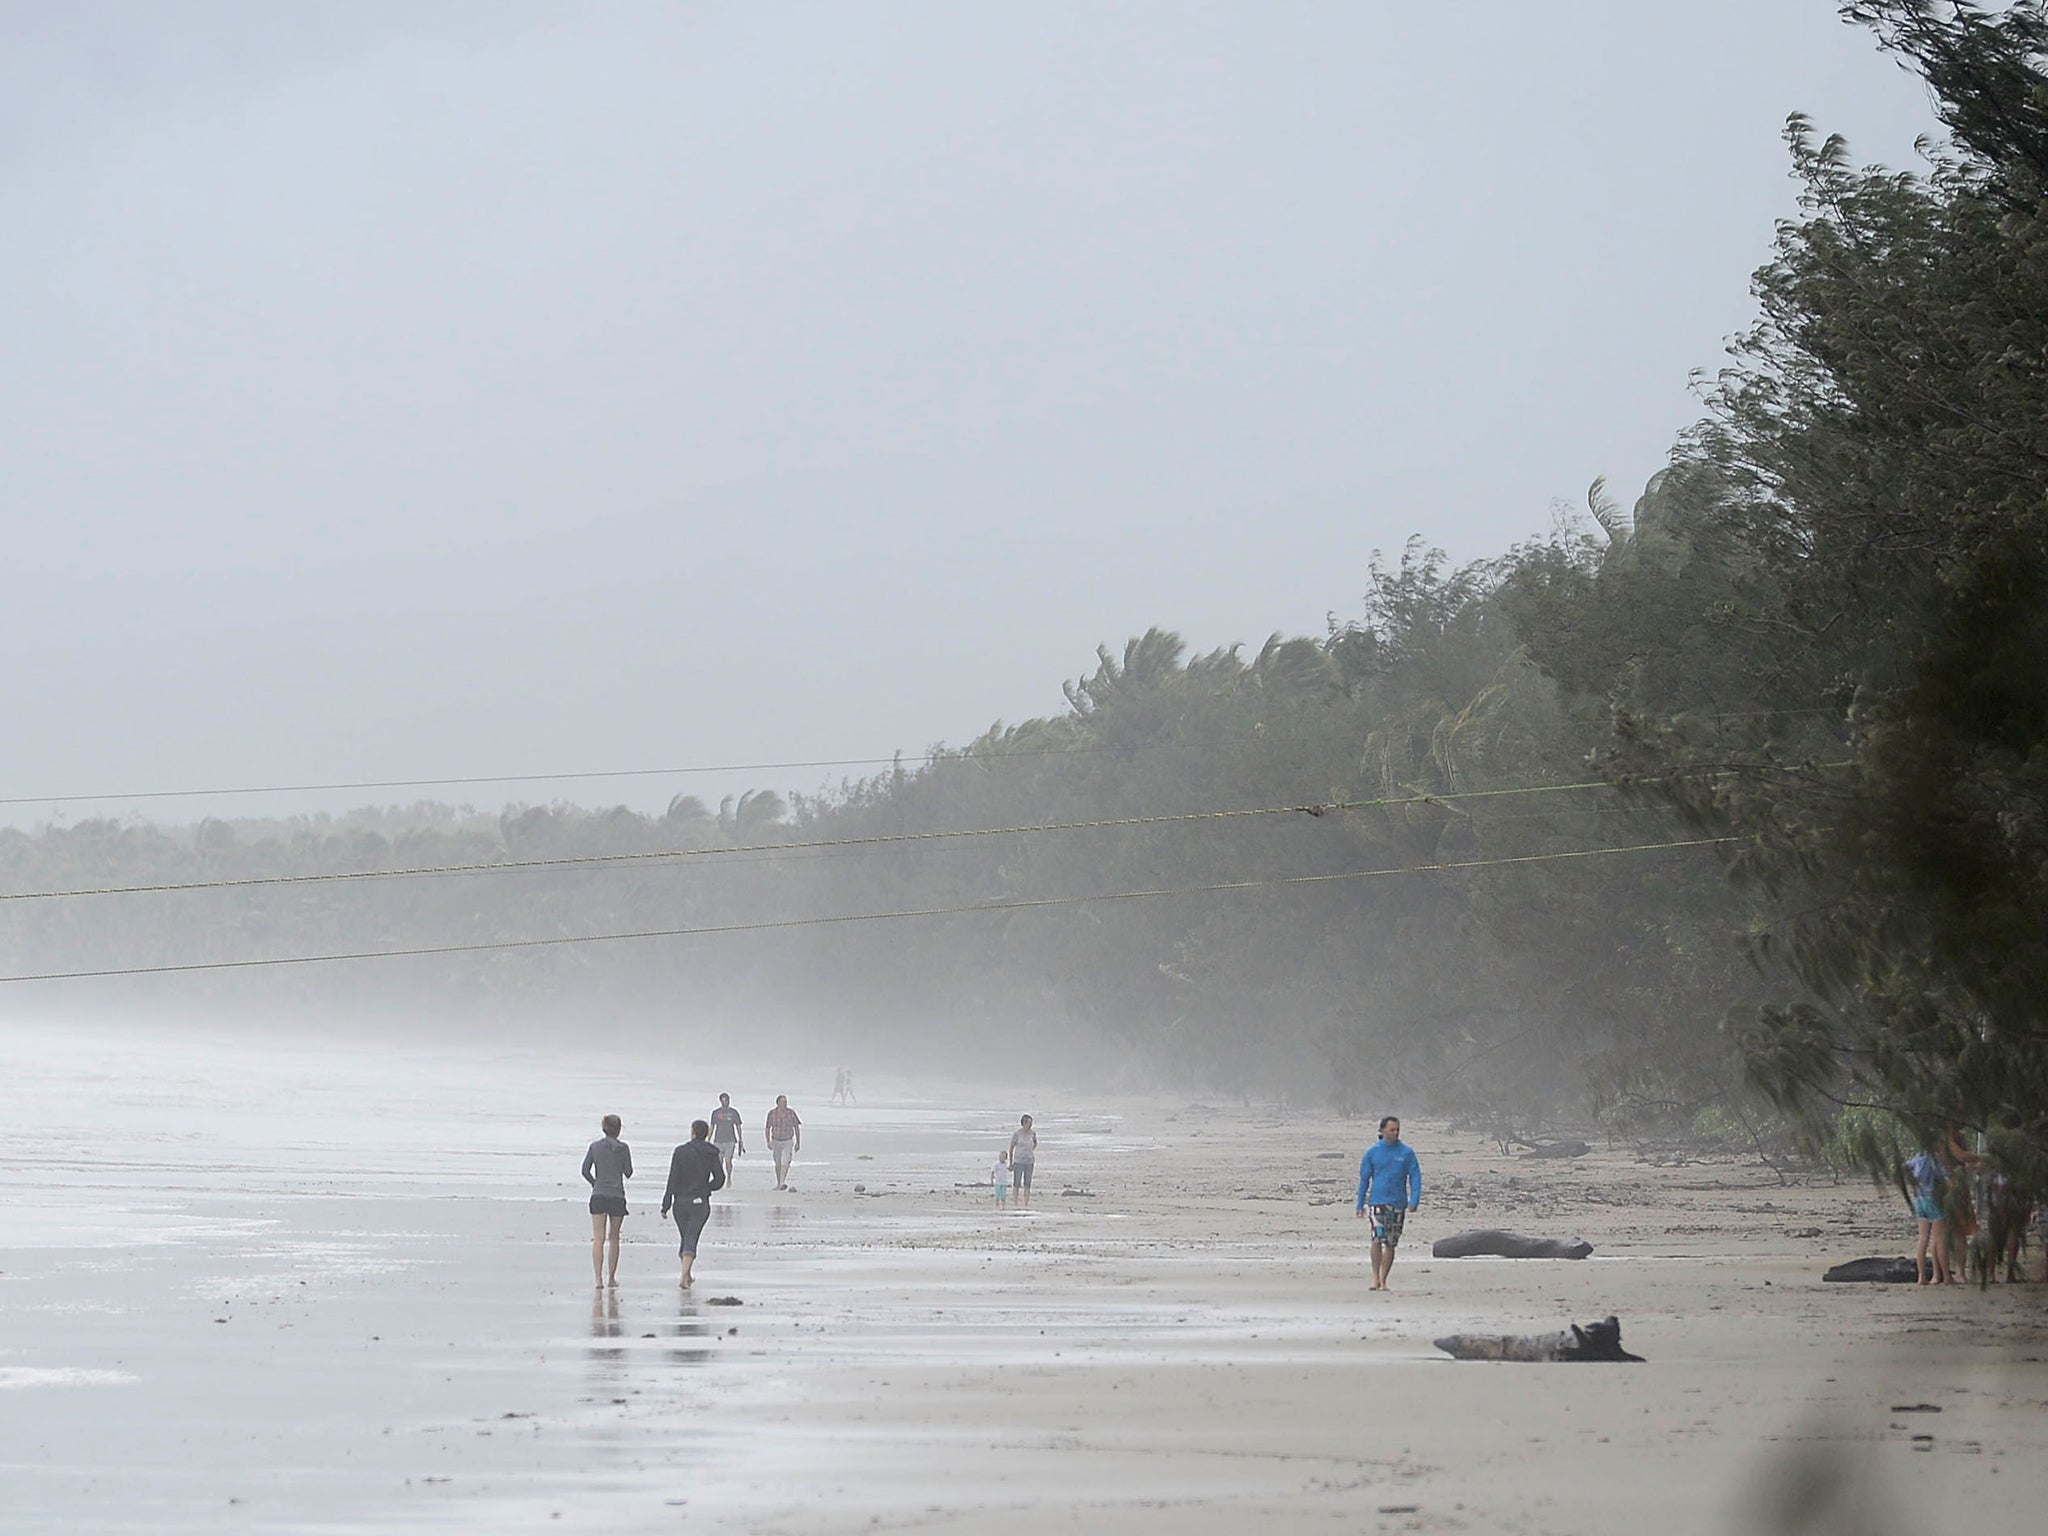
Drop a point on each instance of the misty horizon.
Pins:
(434, 392)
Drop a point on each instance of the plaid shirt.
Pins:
(782, 1123)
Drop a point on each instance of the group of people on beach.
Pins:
(697, 1169)
(703, 1165)
(1938, 1185)
(1014, 1166)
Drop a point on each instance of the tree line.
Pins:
(1812, 650)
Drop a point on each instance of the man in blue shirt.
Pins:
(1389, 1181)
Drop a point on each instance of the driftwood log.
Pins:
(1599, 1341)
(1488, 1243)
(1880, 1271)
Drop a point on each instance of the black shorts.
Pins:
(608, 1205)
(1387, 1221)
(690, 1218)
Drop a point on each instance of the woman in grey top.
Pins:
(1023, 1157)
(606, 1167)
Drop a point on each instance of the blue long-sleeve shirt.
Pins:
(1388, 1174)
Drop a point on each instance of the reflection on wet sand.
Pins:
(607, 1348)
(689, 1326)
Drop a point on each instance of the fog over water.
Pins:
(412, 390)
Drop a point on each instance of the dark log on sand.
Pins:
(1559, 1149)
(1880, 1271)
(1599, 1341)
(1489, 1243)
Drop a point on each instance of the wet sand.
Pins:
(251, 1287)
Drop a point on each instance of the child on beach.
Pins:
(1001, 1174)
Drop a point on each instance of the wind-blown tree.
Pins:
(1825, 634)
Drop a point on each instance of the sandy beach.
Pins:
(251, 1286)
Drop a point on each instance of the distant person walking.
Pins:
(848, 1086)
(839, 1086)
(1023, 1158)
(728, 1133)
(785, 1138)
(606, 1167)
(695, 1171)
(1930, 1262)
(1390, 1182)
(1000, 1174)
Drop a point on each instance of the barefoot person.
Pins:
(1390, 1181)
(728, 1135)
(785, 1138)
(1930, 1262)
(694, 1172)
(1023, 1159)
(606, 1167)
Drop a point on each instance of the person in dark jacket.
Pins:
(694, 1172)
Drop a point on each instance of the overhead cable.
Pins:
(1016, 905)
(667, 855)
(943, 755)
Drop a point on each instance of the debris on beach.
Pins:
(1595, 1342)
(1490, 1242)
(1897, 1271)
(1559, 1149)
(723, 1301)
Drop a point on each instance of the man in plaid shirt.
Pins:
(785, 1138)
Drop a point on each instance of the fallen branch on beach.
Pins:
(1489, 1242)
(1879, 1271)
(1599, 1342)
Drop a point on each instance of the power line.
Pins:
(962, 755)
(675, 854)
(1017, 905)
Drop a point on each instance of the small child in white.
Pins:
(1001, 1174)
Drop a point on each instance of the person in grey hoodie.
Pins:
(606, 1167)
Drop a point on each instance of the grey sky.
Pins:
(392, 391)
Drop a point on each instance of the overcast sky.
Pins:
(394, 391)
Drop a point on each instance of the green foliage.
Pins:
(1818, 634)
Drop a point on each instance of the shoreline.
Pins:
(260, 1340)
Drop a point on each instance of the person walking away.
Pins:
(839, 1086)
(1930, 1261)
(850, 1099)
(1023, 1158)
(1390, 1182)
(606, 1167)
(695, 1172)
(785, 1138)
(728, 1133)
(1000, 1173)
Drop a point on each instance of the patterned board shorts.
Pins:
(1386, 1223)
